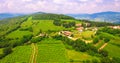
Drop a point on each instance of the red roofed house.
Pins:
(80, 29)
(66, 33)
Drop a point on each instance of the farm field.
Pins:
(45, 25)
(70, 20)
(113, 50)
(87, 35)
(79, 56)
(83, 35)
(56, 38)
(18, 34)
(50, 52)
(20, 54)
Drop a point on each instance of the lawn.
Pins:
(79, 56)
(20, 54)
(51, 51)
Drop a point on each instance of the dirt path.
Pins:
(34, 53)
(97, 43)
(102, 46)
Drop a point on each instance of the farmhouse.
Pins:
(66, 33)
(80, 29)
(115, 27)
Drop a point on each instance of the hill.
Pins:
(8, 15)
(49, 16)
(109, 16)
(57, 38)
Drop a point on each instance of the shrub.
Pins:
(106, 39)
(7, 50)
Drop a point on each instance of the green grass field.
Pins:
(83, 35)
(79, 56)
(51, 51)
(87, 34)
(107, 35)
(113, 50)
(20, 54)
(18, 34)
(69, 20)
(27, 23)
(46, 25)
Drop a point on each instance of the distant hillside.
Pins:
(113, 17)
(49, 16)
(8, 15)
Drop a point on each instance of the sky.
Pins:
(59, 6)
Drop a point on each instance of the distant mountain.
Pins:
(113, 17)
(8, 15)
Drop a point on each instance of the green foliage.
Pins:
(110, 31)
(103, 53)
(57, 22)
(26, 29)
(106, 39)
(36, 39)
(64, 23)
(48, 16)
(106, 60)
(95, 40)
(7, 50)
(20, 54)
(97, 24)
(11, 24)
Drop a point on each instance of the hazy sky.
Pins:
(59, 6)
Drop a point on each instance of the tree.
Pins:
(95, 40)
(105, 60)
(57, 22)
(7, 50)
(103, 53)
(37, 39)
(95, 61)
(106, 39)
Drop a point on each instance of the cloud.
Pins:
(99, 1)
(83, 0)
(26, 0)
(59, 6)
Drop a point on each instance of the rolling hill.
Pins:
(43, 38)
(113, 17)
(8, 15)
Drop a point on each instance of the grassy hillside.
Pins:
(49, 16)
(41, 38)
